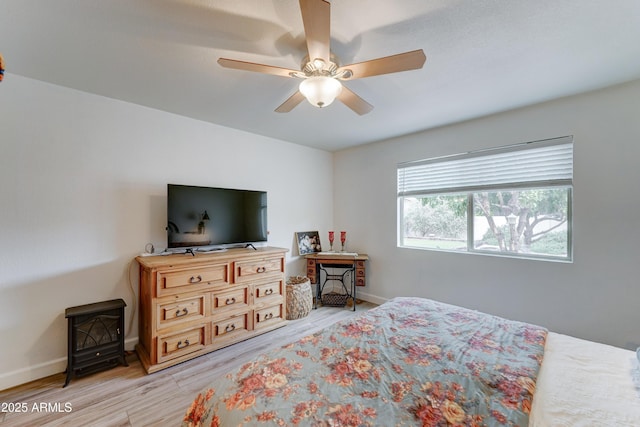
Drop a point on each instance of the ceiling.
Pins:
(483, 57)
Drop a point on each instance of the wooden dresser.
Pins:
(192, 305)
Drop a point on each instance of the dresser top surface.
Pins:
(207, 257)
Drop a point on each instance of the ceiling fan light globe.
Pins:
(320, 91)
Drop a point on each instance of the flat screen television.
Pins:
(212, 218)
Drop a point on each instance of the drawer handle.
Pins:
(183, 312)
(268, 291)
(183, 345)
(230, 301)
(230, 327)
(261, 269)
(268, 316)
(197, 279)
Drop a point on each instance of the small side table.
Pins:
(95, 337)
(353, 265)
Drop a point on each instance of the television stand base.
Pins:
(210, 251)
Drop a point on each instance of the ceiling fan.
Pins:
(321, 72)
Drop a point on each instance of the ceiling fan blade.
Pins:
(291, 103)
(353, 101)
(316, 17)
(389, 64)
(258, 68)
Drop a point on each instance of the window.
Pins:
(510, 201)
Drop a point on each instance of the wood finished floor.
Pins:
(126, 396)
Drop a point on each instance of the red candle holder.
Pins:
(331, 238)
(343, 238)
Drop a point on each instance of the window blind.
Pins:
(533, 164)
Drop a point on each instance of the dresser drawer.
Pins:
(180, 343)
(360, 273)
(231, 327)
(177, 310)
(268, 316)
(311, 270)
(312, 276)
(229, 300)
(252, 270)
(188, 280)
(268, 291)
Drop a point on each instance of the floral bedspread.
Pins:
(408, 362)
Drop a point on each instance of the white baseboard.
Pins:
(370, 297)
(30, 373)
(41, 370)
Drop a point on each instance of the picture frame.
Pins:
(308, 242)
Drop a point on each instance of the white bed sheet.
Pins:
(583, 383)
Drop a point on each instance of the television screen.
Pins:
(206, 216)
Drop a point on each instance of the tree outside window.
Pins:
(523, 222)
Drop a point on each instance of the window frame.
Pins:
(566, 184)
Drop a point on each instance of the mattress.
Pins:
(583, 383)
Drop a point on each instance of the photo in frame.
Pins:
(308, 242)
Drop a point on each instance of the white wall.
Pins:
(83, 189)
(596, 297)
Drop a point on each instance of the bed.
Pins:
(413, 361)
